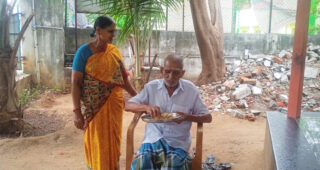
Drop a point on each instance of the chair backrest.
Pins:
(130, 139)
(196, 161)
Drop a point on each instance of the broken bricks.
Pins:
(271, 79)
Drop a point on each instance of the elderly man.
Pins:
(166, 145)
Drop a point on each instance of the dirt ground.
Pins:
(55, 144)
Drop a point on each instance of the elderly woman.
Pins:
(98, 77)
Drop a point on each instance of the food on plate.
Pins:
(165, 116)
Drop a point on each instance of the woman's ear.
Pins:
(98, 29)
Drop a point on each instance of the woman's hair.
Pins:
(102, 22)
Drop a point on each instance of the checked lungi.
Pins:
(161, 156)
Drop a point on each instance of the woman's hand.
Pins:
(78, 120)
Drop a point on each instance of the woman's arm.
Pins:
(128, 87)
(76, 82)
(127, 84)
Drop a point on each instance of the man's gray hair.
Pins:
(175, 59)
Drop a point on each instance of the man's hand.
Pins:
(184, 116)
(78, 121)
(154, 111)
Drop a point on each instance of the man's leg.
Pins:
(177, 159)
(143, 161)
(148, 157)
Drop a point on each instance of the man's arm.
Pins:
(200, 112)
(200, 118)
(154, 111)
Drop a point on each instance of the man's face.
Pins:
(172, 72)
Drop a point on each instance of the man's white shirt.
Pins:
(186, 98)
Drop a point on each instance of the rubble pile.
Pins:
(261, 82)
(210, 164)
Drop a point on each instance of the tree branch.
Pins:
(213, 13)
(153, 62)
(17, 42)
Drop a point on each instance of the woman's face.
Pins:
(106, 34)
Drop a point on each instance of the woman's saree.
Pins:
(102, 107)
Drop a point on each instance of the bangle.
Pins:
(74, 110)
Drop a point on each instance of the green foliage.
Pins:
(33, 93)
(23, 97)
(91, 18)
(244, 29)
(314, 25)
(242, 4)
(26, 95)
(290, 28)
(138, 17)
(257, 29)
(56, 89)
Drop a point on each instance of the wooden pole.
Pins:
(298, 58)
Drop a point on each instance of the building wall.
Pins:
(49, 42)
(185, 44)
(27, 47)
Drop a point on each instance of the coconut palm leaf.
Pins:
(139, 17)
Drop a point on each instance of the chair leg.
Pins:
(197, 160)
(130, 140)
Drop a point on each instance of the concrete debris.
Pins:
(277, 60)
(249, 81)
(277, 75)
(283, 98)
(255, 112)
(246, 75)
(244, 103)
(229, 84)
(209, 164)
(267, 63)
(224, 98)
(241, 92)
(285, 54)
(284, 79)
(257, 71)
(256, 90)
(260, 83)
(311, 72)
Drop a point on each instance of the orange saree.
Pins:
(102, 107)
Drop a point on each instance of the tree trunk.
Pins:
(209, 35)
(10, 114)
(9, 111)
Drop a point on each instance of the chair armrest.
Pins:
(130, 139)
(197, 160)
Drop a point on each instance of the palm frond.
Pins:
(138, 17)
